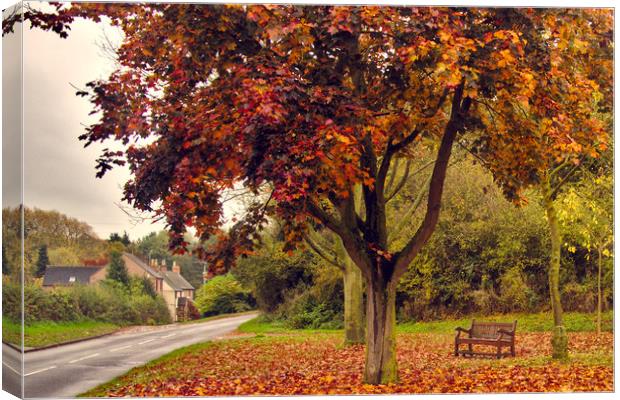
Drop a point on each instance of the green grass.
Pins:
(540, 322)
(47, 333)
(215, 317)
(260, 325)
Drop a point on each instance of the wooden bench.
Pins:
(497, 334)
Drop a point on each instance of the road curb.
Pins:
(31, 349)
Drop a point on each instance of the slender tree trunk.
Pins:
(559, 340)
(381, 365)
(599, 305)
(353, 303)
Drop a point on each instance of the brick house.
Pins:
(170, 284)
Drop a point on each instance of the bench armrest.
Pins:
(505, 332)
(459, 330)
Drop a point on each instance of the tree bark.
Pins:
(599, 305)
(559, 340)
(381, 365)
(353, 303)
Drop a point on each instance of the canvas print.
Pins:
(256, 199)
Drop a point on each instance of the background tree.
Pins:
(155, 246)
(42, 262)
(307, 102)
(117, 271)
(68, 240)
(6, 269)
(559, 125)
(587, 210)
(124, 239)
(331, 249)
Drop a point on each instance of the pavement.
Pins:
(71, 369)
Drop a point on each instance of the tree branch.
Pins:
(424, 232)
(401, 183)
(323, 253)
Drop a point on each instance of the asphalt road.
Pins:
(69, 370)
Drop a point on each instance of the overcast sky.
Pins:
(59, 174)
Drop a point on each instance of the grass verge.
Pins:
(539, 322)
(47, 333)
(216, 317)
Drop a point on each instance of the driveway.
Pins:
(69, 370)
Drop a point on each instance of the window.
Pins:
(71, 279)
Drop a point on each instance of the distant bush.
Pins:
(515, 294)
(320, 306)
(11, 300)
(221, 295)
(149, 310)
(576, 297)
(271, 274)
(107, 302)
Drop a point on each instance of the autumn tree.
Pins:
(559, 125)
(304, 103)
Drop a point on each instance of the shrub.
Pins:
(576, 297)
(515, 295)
(271, 274)
(149, 310)
(11, 300)
(320, 306)
(108, 302)
(221, 295)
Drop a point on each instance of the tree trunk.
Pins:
(380, 332)
(353, 303)
(559, 341)
(599, 305)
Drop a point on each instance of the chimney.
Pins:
(176, 267)
(162, 266)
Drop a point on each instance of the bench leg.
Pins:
(471, 349)
(456, 348)
(499, 352)
(512, 350)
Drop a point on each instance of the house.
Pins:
(56, 275)
(137, 267)
(169, 284)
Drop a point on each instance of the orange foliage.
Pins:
(293, 365)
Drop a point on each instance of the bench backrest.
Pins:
(489, 330)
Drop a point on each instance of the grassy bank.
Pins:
(47, 333)
(540, 322)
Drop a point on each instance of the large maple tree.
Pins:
(301, 103)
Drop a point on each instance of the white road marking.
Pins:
(83, 358)
(11, 368)
(146, 341)
(40, 370)
(167, 336)
(121, 348)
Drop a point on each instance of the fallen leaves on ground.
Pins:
(319, 364)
